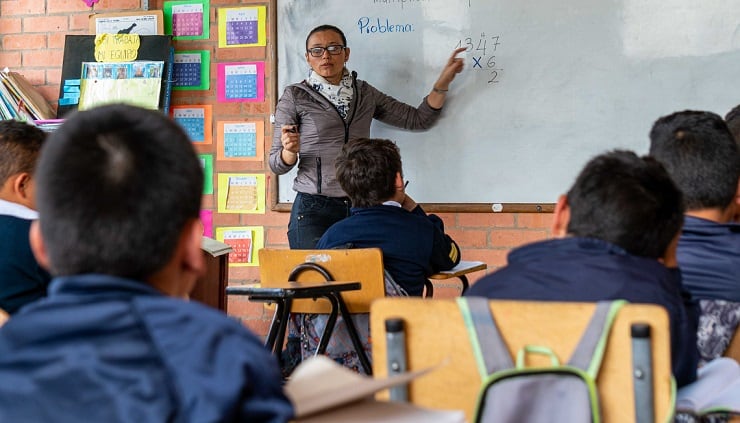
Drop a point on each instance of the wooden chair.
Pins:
(296, 280)
(733, 350)
(364, 265)
(435, 334)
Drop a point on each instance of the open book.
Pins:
(716, 390)
(324, 391)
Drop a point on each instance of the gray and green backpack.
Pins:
(516, 393)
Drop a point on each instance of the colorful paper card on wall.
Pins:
(196, 120)
(206, 161)
(240, 141)
(142, 22)
(243, 81)
(206, 218)
(191, 70)
(245, 242)
(187, 19)
(242, 26)
(241, 193)
(136, 83)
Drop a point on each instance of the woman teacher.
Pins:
(315, 117)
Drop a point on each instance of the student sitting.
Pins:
(616, 230)
(119, 194)
(22, 280)
(703, 159)
(414, 244)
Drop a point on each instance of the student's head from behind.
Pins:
(119, 192)
(732, 118)
(20, 145)
(623, 199)
(369, 171)
(701, 156)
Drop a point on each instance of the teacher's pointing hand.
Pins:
(453, 66)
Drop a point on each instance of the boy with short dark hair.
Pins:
(22, 280)
(703, 158)
(616, 231)
(414, 244)
(119, 193)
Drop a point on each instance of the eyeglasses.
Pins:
(319, 51)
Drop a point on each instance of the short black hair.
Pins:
(732, 119)
(116, 186)
(701, 155)
(626, 200)
(20, 145)
(366, 170)
(322, 28)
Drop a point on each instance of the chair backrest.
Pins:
(733, 350)
(364, 265)
(435, 333)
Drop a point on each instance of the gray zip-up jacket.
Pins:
(324, 132)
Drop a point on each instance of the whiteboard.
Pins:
(546, 85)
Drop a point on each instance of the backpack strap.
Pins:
(491, 353)
(590, 349)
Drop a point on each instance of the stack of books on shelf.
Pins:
(21, 100)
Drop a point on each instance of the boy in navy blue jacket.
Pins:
(703, 158)
(119, 193)
(616, 231)
(22, 280)
(414, 244)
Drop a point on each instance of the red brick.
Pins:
(67, 6)
(10, 59)
(240, 167)
(226, 219)
(45, 24)
(24, 42)
(477, 220)
(56, 40)
(11, 25)
(534, 220)
(244, 274)
(44, 58)
(493, 257)
(22, 7)
(241, 54)
(35, 76)
(50, 93)
(515, 238)
(468, 238)
(259, 327)
(256, 108)
(54, 76)
(242, 307)
(80, 22)
(276, 238)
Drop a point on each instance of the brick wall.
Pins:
(32, 42)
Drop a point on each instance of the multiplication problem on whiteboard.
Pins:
(482, 54)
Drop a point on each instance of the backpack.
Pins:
(516, 393)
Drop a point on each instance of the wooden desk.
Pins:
(283, 297)
(460, 271)
(210, 289)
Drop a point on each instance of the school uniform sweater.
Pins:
(414, 244)
(106, 349)
(22, 280)
(709, 257)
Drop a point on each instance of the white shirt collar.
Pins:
(8, 208)
(392, 203)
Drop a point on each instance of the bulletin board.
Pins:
(546, 86)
